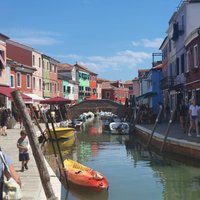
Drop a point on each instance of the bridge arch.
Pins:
(96, 105)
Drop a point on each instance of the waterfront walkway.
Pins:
(174, 132)
(31, 183)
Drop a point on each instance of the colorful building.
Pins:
(4, 71)
(114, 91)
(84, 82)
(68, 74)
(46, 76)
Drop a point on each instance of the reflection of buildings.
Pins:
(180, 182)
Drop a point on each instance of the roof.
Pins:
(65, 67)
(4, 36)
(19, 45)
(128, 82)
(102, 80)
(159, 66)
(85, 69)
(18, 65)
(107, 85)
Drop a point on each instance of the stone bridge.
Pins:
(94, 106)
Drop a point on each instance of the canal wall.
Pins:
(177, 142)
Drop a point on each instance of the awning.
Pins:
(34, 97)
(146, 95)
(6, 91)
(56, 100)
(2, 61)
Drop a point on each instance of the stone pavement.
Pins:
(31, 183)
(175, 131)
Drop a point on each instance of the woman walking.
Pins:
(193, 113)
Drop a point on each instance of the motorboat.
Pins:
(119, 128)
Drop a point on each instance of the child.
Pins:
(23, 145)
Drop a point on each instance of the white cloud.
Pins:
(45, 41)
(155, 43)
(34, 37)
(124, 59)
(70, 56)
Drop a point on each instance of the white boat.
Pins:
(119, 128)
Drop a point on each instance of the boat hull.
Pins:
(84, 176)
(61, 133)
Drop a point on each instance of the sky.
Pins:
(113, 38)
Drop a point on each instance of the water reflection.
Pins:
(179, 181)
(130, 168)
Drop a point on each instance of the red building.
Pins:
(192, 73)
(53, 78)
(114, 91)
(93, 85)
(19, 58)
(133, 87)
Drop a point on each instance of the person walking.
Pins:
(5, 159)
(183, 113)
(193, 113)
(4, 120)
(23, 146)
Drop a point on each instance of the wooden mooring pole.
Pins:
(167, 130)
(155, 125)
(37, 153)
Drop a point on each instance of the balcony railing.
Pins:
(167, 82)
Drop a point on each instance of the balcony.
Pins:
(167, 82)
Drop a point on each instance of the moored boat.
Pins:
(64, 144)
(84, 176)
(61, 133)
(119, 128)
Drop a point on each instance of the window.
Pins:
(182, 63)
(47, 65)
(69, 89)
(33, 60)
(28, 81)
(54, 69)
(196, 56)
(43, 64)
(12, 81)
(34, 86)
(18, 79)
(58, 87)
(107, 94)
(50, 68)
(39, 62)
(40, 84)
(50, 87)
(64, 88)
(55, 87)
(187, 61)
(130, 87)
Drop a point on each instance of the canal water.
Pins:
(133, 172)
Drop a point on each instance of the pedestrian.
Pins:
(23, 146)
(183, 113)
(4, 159)
(193, 113)
(4, 120)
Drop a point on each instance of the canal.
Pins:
(133, 172)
